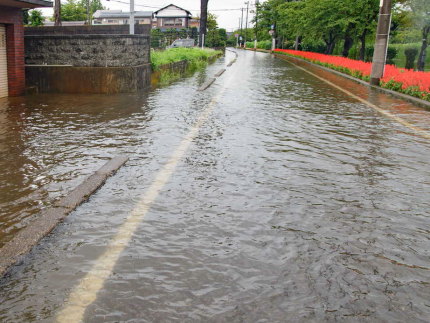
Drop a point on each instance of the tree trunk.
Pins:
(298, 42)
(363, 45)
(347, 45)
(203, 19)
(57, 13)
(331, 47)
(422, 57)
(330, 44)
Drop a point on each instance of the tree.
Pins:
(35, 18)
(57, 12)
(421, 16)
(73, 10)
(203, 20)
(216, 37)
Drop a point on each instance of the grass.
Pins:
(195, 55)
(400, 59)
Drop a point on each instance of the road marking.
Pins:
(421, 132)
(86, 292)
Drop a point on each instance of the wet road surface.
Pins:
(292, 203)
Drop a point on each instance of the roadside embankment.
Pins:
(173, 55)
(171, 64)
(409, 82)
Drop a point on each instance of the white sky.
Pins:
(226, 19)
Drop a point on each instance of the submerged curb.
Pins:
(206, 84)
(30, 236)
(219, 73)
(209, 82)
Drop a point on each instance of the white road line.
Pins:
(421, 132)
(86, 292)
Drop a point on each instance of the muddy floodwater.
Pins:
(293, 202)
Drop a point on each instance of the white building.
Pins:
(172, 16)
(118, 17)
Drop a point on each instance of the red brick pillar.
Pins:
(12, 18)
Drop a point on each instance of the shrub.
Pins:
(265, 44)
(391, 54)
(410, 53)
(249, 44)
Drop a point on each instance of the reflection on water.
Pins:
(294, 202)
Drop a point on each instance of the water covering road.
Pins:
(293, 202)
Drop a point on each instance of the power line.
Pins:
(146, 6)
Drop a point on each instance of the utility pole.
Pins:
(237, 38)
(241, 24)
(246, 25)
(57, 13)
(131, 22)
(88, 13)
(257, 2)
(381, 43)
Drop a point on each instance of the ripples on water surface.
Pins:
(294, 203)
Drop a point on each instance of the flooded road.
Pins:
(292, 202)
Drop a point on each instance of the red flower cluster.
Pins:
(408, 81)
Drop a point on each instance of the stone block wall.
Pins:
(87, 50)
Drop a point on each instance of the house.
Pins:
(118, 17)
(194, 22)
(172, 16)
(12, 68)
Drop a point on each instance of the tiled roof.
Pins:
(120, 14)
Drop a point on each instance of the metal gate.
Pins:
(3, 63)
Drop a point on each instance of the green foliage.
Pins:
(215, 37)
(313, 46)
(34, 18)
(410, 53)
(265, 44)
(391, 54)
(249, 44)
(172, 55)
(75, 10)
(25, 17)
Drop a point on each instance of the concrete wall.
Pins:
(87, 50)
(104, 80)
(12, 18)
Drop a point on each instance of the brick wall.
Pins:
(12, 18)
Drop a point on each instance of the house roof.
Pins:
(25, 4)
(120, 14)
(188, 14)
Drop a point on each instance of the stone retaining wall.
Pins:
(87, 50)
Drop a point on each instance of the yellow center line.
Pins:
(86, 291)
(421, 132)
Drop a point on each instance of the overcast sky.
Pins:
(226, 19)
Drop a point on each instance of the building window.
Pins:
(172, 22)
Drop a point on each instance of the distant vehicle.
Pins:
(182, 43)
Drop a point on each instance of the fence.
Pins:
(160, 39)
